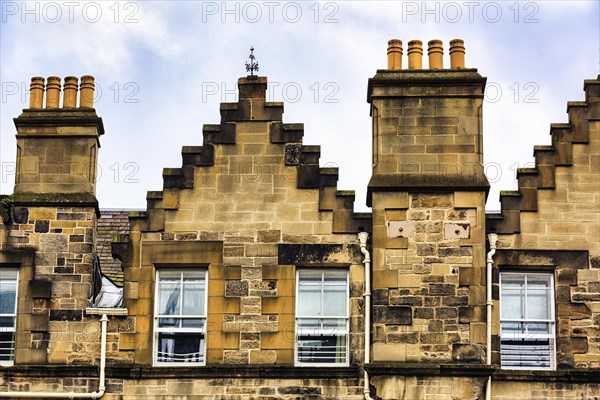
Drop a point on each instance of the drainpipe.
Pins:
(362, 237)
(492, 238)
(73, 395)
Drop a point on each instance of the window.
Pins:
(527, 331)
(322, 317)
(8, 314)
(180, 317)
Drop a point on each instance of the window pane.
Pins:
(334, 301)
(169, 298)
(193, 276)
(8, 295)
(537, 281)
(8, 274)
(170, 276)
(538, 328)
(512, 329)
(7, 322)
(169, 322)
(310, 277)
(335, 277)
(309, 325)
(193, 299)
(512, 303)
(538, 304)
(180, 347)
(7, 342)
(526, 353)
(309, 300)
(322, 349)
(335, 324)
(513, 280)
(192, 322)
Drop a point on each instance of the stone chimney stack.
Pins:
(427, 192)
(427, 125)
(57, 147)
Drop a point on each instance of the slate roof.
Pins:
(111, 222)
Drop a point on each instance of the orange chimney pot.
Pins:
(394, 53)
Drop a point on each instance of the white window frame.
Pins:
(158, 330)
(551, 337)
(12, 279)
(325, 331)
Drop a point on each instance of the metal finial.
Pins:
(252, 65)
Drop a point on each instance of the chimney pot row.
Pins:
(70, 88)
(435, 53)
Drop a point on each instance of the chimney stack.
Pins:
(394, 53)
(415, 54)
(36, 93)
(436, 54)
(457, 53)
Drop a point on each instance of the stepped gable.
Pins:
(221, 138)
(547, 158)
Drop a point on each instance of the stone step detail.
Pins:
(547, 158)
(218, 138)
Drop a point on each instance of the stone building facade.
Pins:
(246, 276)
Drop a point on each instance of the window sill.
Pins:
(108, 311)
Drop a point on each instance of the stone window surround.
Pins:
(27, 289)
(529, 260)
(169, 254)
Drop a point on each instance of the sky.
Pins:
(163, 67)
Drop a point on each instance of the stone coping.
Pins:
(200, 372)
(428, 369)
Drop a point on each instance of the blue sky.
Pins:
(162, 69)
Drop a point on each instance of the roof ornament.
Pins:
(253, 65)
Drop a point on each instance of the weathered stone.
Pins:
(573, 311)
(442, 289)
(394, 315)
(379, 296)
(42, 226)
(468, 353)
(402, 337)
(423, 313)
(236, 288)
(567, 276)
(66, 315)
(268, 236)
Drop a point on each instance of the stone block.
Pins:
(389, 352)
(385, 279)
(236, 288)
(468, 353)
(393, 315)
(442, 289)
(573, 311)
(263, 357)
(40, 289)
